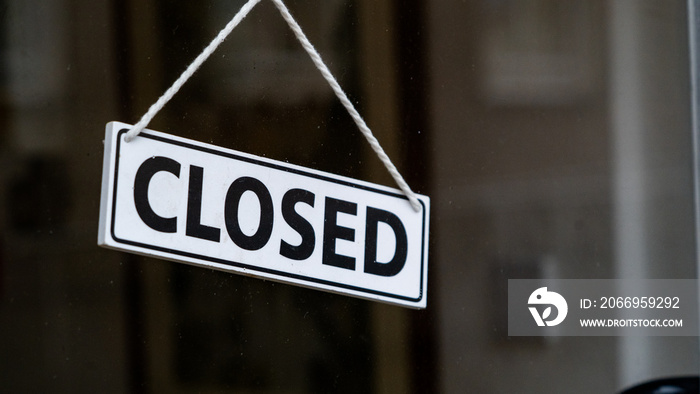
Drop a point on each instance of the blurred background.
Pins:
(553, 137)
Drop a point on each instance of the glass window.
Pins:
(554, 138)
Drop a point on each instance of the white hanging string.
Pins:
(340, 93)
(191, 69)
(320, 65)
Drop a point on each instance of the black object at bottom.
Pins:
(675, 385)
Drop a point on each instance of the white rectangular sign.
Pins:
(182, 200)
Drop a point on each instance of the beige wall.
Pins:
(526, 174)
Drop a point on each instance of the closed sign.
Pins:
(178, 199)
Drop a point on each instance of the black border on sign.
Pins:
(253, 267)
